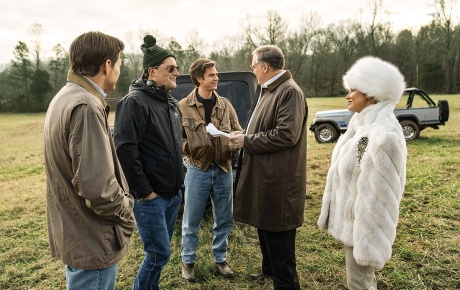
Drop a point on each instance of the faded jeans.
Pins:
(155, 219)
(99, 279)
(199, 186)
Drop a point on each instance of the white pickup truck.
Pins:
(415, 112)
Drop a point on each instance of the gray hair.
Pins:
(271, 55)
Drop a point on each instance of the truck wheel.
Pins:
(326, 133)
(444, 110)
(410, 129)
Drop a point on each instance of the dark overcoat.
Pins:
(270, 187)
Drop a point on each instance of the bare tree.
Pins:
(343, 36)
(272, 31)
(19, 76)
(58, 66)
(323, 66)
(35, 32)
(195, 40)
(133, 55)
(376, 37)
(298, 43)
(450, 38)
(405, 55)
(225, 54)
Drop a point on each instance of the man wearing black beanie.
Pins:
(148, 139)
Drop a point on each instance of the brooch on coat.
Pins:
(362, 144)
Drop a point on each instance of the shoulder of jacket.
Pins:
(137, 99)
(133, 96)
(223, 101)
(288, 88)
(80, 95)
(189, 100)
(183, 102)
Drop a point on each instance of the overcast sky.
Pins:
(63, 20)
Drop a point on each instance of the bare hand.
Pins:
(237, 139)
(152, 195)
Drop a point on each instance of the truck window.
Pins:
(418, 102)
(403, 102)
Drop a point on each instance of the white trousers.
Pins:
(359, 277)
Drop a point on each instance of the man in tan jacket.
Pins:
(209, 166)
(89, 209)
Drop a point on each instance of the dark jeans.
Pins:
(155, 219)
(278, 258)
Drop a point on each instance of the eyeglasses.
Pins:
(170, 68)
(253, 66)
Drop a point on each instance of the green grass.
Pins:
(426, 254)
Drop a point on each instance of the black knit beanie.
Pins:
(153, 54)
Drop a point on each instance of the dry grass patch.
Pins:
(426, 254)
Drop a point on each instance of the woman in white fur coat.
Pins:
(367, 175)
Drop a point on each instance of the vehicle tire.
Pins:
(326, 133)
(410, 129)
(444, 110)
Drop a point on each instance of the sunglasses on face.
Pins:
(170, 68)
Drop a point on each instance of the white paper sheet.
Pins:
(211, 129)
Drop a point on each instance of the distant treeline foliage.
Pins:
(317, 56)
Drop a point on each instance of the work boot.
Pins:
(224, 270)
(188, 271)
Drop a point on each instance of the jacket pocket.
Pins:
(192, 123)
(198, 140)
(120, 236)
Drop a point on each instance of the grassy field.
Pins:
(426, 254)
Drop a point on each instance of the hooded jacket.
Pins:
(148, 138)
(365, 184)
(89, 210)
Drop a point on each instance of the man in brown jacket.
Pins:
(89, 210)
(209, 169)
(271, 177)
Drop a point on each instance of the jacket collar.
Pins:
(192, 100)
(159, 93)
(86, 84)
(287, 75)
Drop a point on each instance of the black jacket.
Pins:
(148, 140)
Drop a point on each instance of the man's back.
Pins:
(83, 176)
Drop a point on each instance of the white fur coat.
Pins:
(361, 200)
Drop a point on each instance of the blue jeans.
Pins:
(155, 219)
(99, 279)
(199, 185)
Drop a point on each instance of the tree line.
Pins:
(317, 56)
